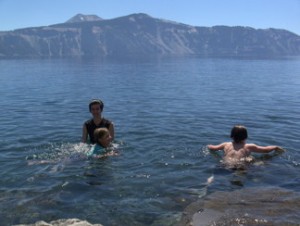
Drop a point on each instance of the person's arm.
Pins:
(216, 147)
(84, 134)
(264, 149)
(111, 130)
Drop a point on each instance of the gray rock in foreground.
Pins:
(62, 222)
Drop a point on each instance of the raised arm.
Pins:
(84, 134)
(264, 149)
(216, 147)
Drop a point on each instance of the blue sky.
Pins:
(283, 14)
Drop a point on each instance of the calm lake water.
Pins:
(165, 112)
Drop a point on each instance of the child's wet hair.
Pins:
(96, 101)
(239, 133)
(99, 133)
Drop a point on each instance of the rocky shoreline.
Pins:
(62, 222)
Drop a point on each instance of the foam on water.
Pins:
(57, 153)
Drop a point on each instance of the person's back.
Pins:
(238, 149)
(234, 150)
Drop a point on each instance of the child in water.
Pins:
(103, 143)
(238, 149)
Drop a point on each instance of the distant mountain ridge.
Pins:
(142, 35)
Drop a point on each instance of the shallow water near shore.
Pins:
(165, 112)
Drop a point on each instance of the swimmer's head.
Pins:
(239, 133)
(102, 137)
(96, 104)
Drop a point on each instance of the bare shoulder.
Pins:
(227, 144)
(250, 147)
(217, 147)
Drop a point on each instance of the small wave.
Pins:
(55, 152)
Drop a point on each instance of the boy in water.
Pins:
(238, 149)
(103, 142)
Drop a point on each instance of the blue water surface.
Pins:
(165, 112)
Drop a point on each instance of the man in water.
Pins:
(96, 107)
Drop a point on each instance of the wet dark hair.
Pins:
(96, 101)
(239, 133)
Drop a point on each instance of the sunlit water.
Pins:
(165, 112)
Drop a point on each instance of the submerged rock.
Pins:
(251, 206)
(62, 222)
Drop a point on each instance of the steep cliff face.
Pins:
(43, 42)
(142, 35)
